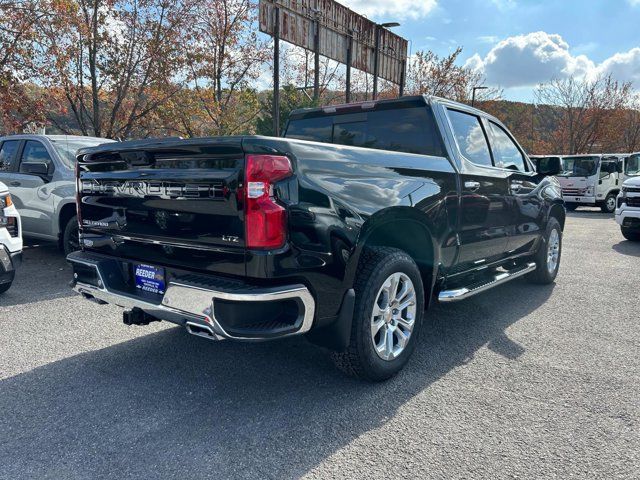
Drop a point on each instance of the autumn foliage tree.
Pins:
(225, 59)
(18, 19)
(431, 74)
(110, 63)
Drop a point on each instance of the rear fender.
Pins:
(397, 222)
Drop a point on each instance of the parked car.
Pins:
(628, 206)
(592, 180)
(10, 239)
(39, 171)
(255, 238)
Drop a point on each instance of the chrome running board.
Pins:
(457, 294)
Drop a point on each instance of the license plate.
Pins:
(149, 278)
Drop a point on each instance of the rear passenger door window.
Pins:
(506, 153)
(8, 154)
(470, 137)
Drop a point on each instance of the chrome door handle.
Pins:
(471, 185)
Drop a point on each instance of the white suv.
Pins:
(10, 239)
(628, 209)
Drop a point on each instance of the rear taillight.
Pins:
(265, 219)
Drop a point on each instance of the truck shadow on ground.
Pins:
(627, 247)
(43, 275)
(181, 406)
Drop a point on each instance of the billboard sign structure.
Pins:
(337, 29)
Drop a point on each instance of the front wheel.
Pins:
(71, 236)
(631, 234)
(387, 315)
(548, 256)
(609, 205)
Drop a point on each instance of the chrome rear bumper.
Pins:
(184, 303)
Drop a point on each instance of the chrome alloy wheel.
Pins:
(611, 204)
(553, 250)
(393, 316)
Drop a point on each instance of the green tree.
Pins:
(291, 98)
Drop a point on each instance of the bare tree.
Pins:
(585, 110)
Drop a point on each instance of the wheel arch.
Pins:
(67, 211)
(406, 229)
(558, 212)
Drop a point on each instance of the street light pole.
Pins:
(473, 94)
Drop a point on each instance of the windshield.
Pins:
(579, 166)
(633, 165)
(67, 148)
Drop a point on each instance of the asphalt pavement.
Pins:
(523, 381)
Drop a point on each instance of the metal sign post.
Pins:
(347, 92)
(376, 60)
(327, 28)
(316, 61)
(276, 73)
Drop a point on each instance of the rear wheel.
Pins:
(609, 205)
(548, 256)
(387, 316)
(571, 206)
(631, 234)
(71, 236)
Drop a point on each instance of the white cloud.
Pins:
(633, 3)
(488, 39)
(527, 60)
(505, 4)
(623, 66)
(530, 59)
(394, 9)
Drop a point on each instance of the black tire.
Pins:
(70, 237)
(542, 274)
(361, 359)
(609, 205)
(571, 206)
(631, 234)
(5, 286)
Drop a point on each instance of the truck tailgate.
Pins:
(177, 202)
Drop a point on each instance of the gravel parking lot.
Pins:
(523, 381)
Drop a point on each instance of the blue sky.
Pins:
(517, 44)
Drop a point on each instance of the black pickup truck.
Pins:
(344, 230)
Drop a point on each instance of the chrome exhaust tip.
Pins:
(200, 330)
